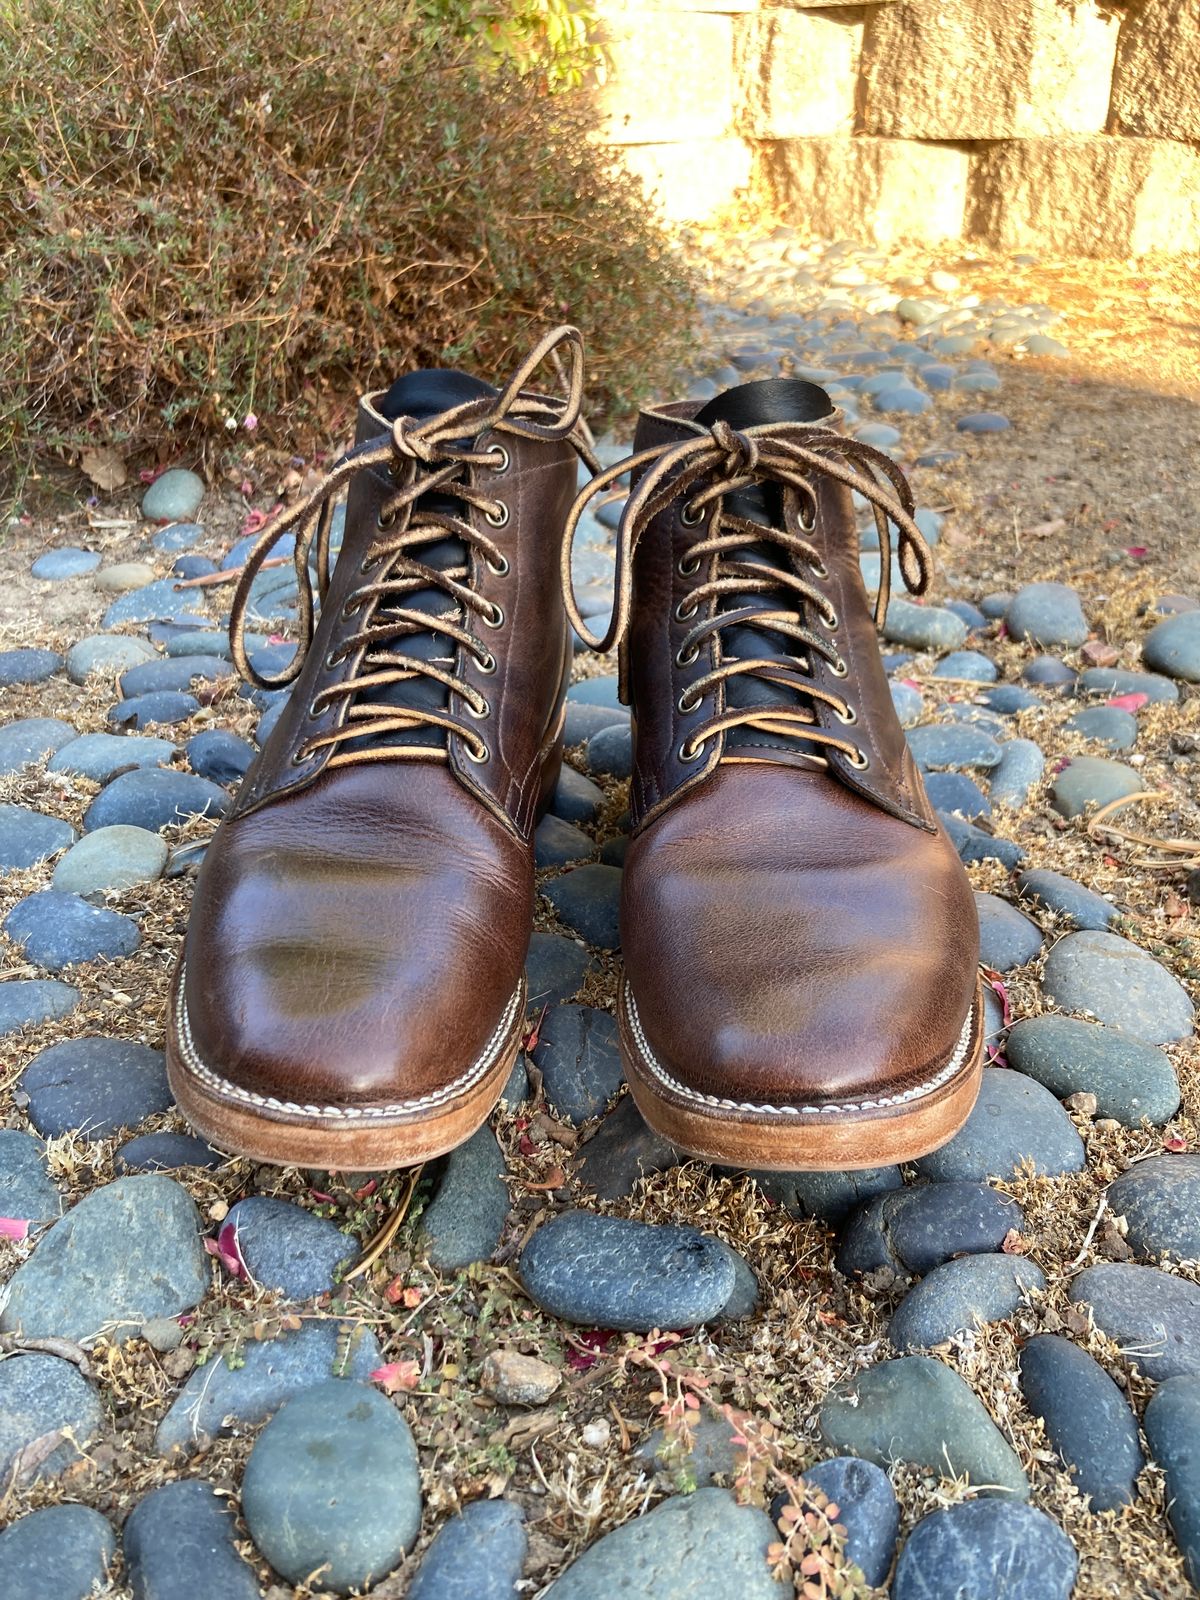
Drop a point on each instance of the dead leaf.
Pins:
(104, 466)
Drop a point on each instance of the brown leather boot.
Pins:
(351, 990)
(799, 936)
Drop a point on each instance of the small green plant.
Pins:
(553, 38)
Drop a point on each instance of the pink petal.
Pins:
(1130, 702)
(14, 1228)
(395, 1375)
(1137, 551)
(227, 1251)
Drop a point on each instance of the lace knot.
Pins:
(741, 451)
(407, 440)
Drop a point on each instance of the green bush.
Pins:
(213, 207)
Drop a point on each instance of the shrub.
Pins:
(211, 207)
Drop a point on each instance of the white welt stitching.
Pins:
(832, 1108)
(399, 1108)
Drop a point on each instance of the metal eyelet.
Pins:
(685, 612)
(299, 757)
(500, 568)
(351, 609)
(687, 703)
(384, 523)
(691, 515)
(858, 761)
(480, 760)
(819, 570)
(687, 568)
(696, 751)
(479, 715)
(830, 623)
(809, 522)
(503, 462)
(494, 618)
(333, 660)
(497, 518)
(838, 668)
(486, 664)
(685, 660)
(847, 716)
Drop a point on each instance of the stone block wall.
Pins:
(1065, 125)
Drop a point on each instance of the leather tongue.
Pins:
(747, 406)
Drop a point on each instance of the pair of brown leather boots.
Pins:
(799, 937)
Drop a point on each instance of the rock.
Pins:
(155, 799)
(64, 1552)
(966, 664)
(987, 1550)
(57, 930)
(1047, 614)
(105, 653)
(477, 1555)
(1049, 672)
(26, 1191)
(333, 1487)
(160, 601)
(1069, 899)
(111, 858)
(579, 1059)
(1160, 1201)
(556, 843)
(624, 1149)
(166, 1152)
(954, 792)
(220, 1398)
(587, 899)
(219, 755)
(1093, 780)
(27, 837)
(102, 755)
(917, 1410)
(69, 562)
(908, 703)
(744, 1298)
(974, 619)
(27, 666)
(903, 399)
(977, 383)
(166, 673)
(601, 691)
(1154, 1317)
(1007, 938)
(1173, 647)
(923, 627)
(867, 1509)
(582, 721)
(701, 1546)
(1014, 1121)
(1114, 981)
(554, 968)
(1131, 1081)
(1172, 1423)
(179, 1543)
(125, 575)
(917, 1228)
(516, 1091)
(973, 844)
(1021, 766)
(25, 1002)
(269, 719)
(711, 1453)
(27, 743)
(174, 496)
(954, 745)
(287, 1248)
(39, 1396)
(1009, 698)
(1111, 681)
(952, 1298)
(610, 752)
(880, 435)
(828, 1195)
(983, 422)
(95, 1086)
(466, 1218)
(163, 707)
(576, 799)
(518, 1380)
(179, 536)
(128, 1251)
(1106, 725)
(1087, 1418)
(632, 1276)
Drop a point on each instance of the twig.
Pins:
(380, 1241)
(206, 580)
(1089, 1235)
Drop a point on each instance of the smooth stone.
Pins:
(107, 653)
(596, 692)
(610, 752)
(969, 664)
(1172, 1423)
(172, 673)
(973, 844)
(1160, 1201)
(179, 1544)
(287, 1248)
(1041, 344)
(160, 601)
(1007, 938)
(955, 792)
(712, 1453)
(1047, 614)
(69, 562)
(915, 1229)
(1088, 1419)
(936, 377)
(976, 716)
(221, 1398)
(63, 1552)
(903, 400)
(270, 717)
(101, 756)
(985, 1550)
(27, 837)
(465, 1221)
(867, 1510)
(952, 745)
(828, 1195)
(1114, 680)
(1093, 780)
(192, 567)
(333, 1487)
(95, 1086)
(111, 858)
(746, 1293)
(1119, 984)
(155, 799)
(915, 1409)
(27, 743)
(1009, 698)
(1049, 672)
(588, 900)
(1131, 1081)
(908, 703)
(880, 435)
(579, 1059)
(1153, 1316)
(624, 1149)
(983, 421)
(582, 721)
(1052, 890)
(210, 642)
(554, 968)
(179, 536)
(516, 1089)
(556, 843)
(174, 496)
(1020, 767)
(923, 627)
(701, 1546)
(607, 1272)
(952, 1298)
(219, 755)
(976, 383)
(27, 1192)
(1014, 1121)
(161, 707)
(27, 666)
(166, 1152)
(477, 1555)
(125, 575)
(1168, 604)
(1107, 725)
(1172, 647)
(994, 605)
(57, 930)
(39, 1395)
(25, 1002)
(576, 799)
